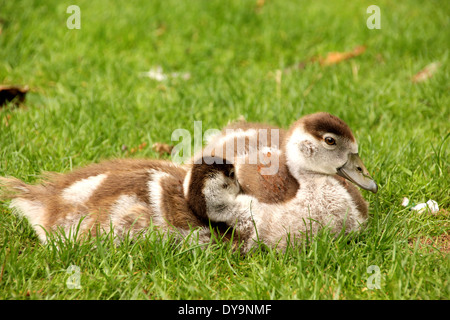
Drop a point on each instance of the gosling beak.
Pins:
(239, 187)
(355, 171)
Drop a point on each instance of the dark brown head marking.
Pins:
(200, 172)
(319, 123)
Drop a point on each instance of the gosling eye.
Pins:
(330, 141)
(231, 174)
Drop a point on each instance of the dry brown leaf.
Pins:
(138, 148)
(162, 28)
(7, 118)
(162, 148)
(426, 73)
(259, 5)
(12, 93)
(331, 58)
(142, 145)
(336, 57)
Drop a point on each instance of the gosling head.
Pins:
(323, 143)
(212, 181)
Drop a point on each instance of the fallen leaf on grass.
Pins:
(139, 147)
(162, 28)
(135, 149)
(259, 5)
(29, 293)
(162, 148)
(12, 93)
(336, 57)
(331, 59)
(7, 118)
(426, 73)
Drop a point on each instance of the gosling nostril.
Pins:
(359, 169)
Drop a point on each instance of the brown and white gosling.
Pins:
(127, 195)
(322, 201)
(317, 143)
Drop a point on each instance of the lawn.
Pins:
(91, 99)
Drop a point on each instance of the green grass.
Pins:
(88, 100)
